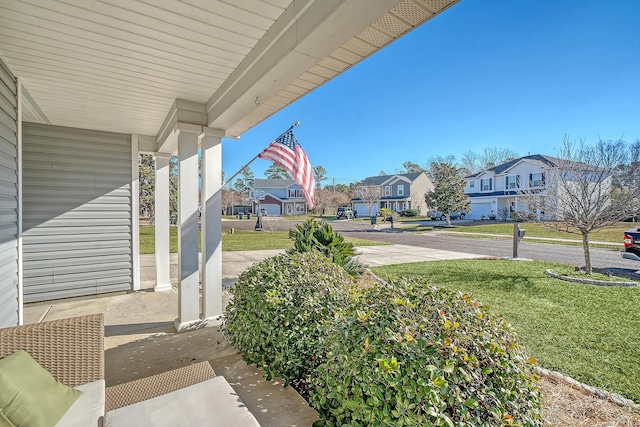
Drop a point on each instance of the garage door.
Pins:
(361, 209)
(479, 209)
(271, 209)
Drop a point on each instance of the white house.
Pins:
(397, 192)
(85, 87)
(280, 197)
(503, 186)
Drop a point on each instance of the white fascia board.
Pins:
(306, 32)
(31, 111)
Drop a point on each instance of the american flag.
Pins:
(287, 152)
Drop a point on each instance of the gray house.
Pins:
(85, 87)
(280, 197)
(397, 192)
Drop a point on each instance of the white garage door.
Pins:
(271, 209)
(479, 209)
(361, 209)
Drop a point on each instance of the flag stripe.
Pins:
(288, 153)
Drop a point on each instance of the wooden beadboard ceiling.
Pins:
(118, 65)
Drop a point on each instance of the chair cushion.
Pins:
(210, 403)
(88, 409)
(29, 395)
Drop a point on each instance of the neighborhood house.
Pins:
(278, 197)
(397, 192)
(504, 187)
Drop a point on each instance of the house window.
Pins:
(387, 190)
(404, 206)
(536, 179)
(485, 184)
(295, 193)
(472, 184)
(300, 208)
(401, 190)
(512, 182)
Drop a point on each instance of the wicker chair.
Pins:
(72, 350)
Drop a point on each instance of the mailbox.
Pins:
(521, 234)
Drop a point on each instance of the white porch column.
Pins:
(161, 209)
(211, 197)
(188, 277)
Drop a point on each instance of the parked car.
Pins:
(345, 213)
(631, 244)
(442, 217)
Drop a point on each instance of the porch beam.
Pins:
(188, 273)
(211, 219)
(161, 214)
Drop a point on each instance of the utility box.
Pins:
(374, 219)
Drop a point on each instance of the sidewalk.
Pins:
(509, 236)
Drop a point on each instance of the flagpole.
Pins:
(255, 157)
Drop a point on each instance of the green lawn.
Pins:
(588, 332)
(612, 233)
(239, 241)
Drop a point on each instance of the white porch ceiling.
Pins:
(119, 65)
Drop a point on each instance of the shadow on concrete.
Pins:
(138, 328)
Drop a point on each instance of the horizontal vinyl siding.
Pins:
(8, 199)
(76, 212)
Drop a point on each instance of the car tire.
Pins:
(443, 217)
(461, 216)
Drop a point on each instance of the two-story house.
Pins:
(279, 197)
(505, 186)
(397, 192)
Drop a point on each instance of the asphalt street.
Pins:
(606, 259)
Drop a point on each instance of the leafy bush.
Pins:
(410, 212)
(413, 354)
(279, 305)
(314, 235)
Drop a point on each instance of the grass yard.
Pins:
(241, 240)
(588, 332)
(612, 233)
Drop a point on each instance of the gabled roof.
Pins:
(497, 170)
(273, 183)
(381, 179)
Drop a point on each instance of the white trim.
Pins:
(135, 222)
(19, 161)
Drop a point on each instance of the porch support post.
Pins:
(163, 282)
(188, 276)
(211, 196)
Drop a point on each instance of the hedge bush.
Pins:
(410, 212)
(279, 305)
(313, 235)
(413, 354)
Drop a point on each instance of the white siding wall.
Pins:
(76, 212)
(8, 199)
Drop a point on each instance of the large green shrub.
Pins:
(413, 354)
(313, 235)
(278, 310)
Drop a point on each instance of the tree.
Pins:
(328, 200)
(147, 180)
(581, 191)
(382, 172)
(275, 171)
(410, 167)
(319, 174)
(448, 190)
(369, 194)
(474, 162)
(244, 185)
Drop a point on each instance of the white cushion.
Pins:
(88, 409)
(209, 403)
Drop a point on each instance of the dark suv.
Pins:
(346, 213)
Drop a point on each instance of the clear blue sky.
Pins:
(507, 73)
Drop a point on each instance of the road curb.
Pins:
(589, 281)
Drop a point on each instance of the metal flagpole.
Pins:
(255, 157)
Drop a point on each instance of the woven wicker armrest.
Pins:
(136, 391)
(72, 349)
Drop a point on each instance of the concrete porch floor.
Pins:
(140, 339)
